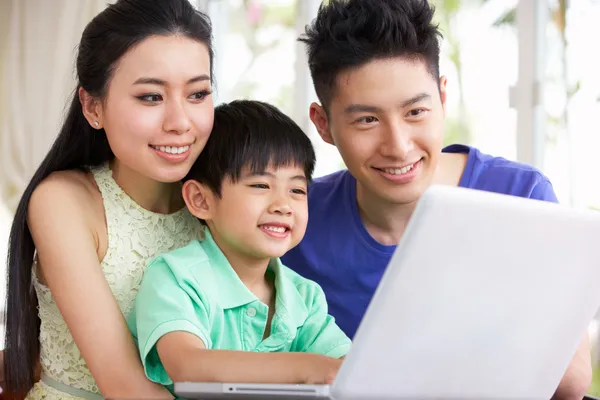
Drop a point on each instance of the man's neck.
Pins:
(385, 221)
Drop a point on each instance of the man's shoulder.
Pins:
(329, 190)
(330, 181)
(498, 174)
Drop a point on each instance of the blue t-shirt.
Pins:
(341, 256)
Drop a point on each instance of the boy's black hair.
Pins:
(350, 33)
(251, 134)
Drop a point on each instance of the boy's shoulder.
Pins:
(308, 290)
(185, 256)
(184, 263)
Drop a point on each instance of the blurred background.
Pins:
(523, 82)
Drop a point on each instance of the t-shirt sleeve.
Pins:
(320, 334)
(543, 190)
(165, 303)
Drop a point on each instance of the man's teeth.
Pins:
(278, 229)
(172, 149)
(399, 171)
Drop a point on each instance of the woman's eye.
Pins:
(200, 95)
(150, 98)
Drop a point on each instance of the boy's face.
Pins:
(261, 216)
(387, 120)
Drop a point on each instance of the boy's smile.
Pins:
(261, 216)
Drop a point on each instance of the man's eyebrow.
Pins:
(364, 108)
(358, 108)
(415, 99)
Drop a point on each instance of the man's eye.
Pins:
(367, 120)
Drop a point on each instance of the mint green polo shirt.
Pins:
(195, 289)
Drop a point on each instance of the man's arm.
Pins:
(578, 378)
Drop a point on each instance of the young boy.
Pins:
(224, 308)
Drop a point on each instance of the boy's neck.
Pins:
(251, 270)
(254, 276)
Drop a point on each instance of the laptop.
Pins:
(487, 296)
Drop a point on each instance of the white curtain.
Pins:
(38, 42)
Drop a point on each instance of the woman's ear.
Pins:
(92, 109)
(199, 199)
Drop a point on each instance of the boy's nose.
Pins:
(280, 207)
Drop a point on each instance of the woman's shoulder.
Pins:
(70, 192)
(68, 183)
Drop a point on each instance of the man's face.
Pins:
(387, 120)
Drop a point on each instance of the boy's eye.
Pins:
(299, 191)
(260, 185)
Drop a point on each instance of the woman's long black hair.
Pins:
(78, 146)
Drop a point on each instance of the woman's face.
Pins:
(158, 111)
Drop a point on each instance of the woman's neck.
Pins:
(158, 197)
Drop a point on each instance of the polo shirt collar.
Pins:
(290, 307)
(232, 291)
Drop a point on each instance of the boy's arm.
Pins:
(172, 325)
(186, 359)
(320, 334)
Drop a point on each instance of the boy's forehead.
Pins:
(274, 170)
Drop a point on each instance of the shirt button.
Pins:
(251, 312)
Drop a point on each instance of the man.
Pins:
(375, 67)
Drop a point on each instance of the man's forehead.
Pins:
(383, 81)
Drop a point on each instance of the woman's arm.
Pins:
(185, 359)
(63, 225)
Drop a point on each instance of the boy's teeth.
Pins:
(172, 149)
(279, 229)
(399, 171)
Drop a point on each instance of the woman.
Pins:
(106, 199)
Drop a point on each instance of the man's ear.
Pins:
(443, 92)
(199, 199)
(319, 118)
(92, 109)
